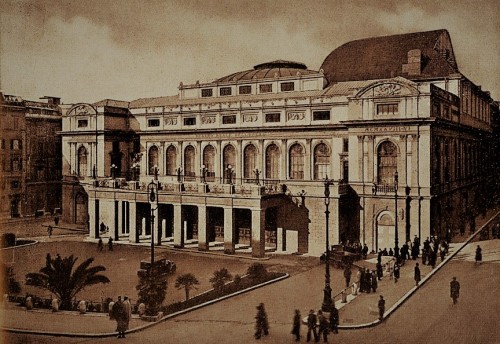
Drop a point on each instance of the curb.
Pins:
(140, 328)
(405, 297)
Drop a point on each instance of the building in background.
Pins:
(30, 175)
(409, 146)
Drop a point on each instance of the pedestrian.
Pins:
(261, 324)
(49, 230)
(110, 243)
(311, 326)
(100, 245)
(365, 251)
(347, 275)
(128, 312)
(454, 290)
(374, 282)
(396, 272)
(391, 252)
(380, 272)
(56, 220)
(479, 255)
(381, 308)
(334, 319)
(417, 275)
(323, 326)
(358, 280)
(296, 325)
(118, 313)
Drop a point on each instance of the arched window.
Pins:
(189, 165)
(82, 162)
(171, 160)
(321, 161)
(209, 162)
(296, 162)
(272, 162)
(387, 163)
(250, 161)
(229, 159)
(152, 159)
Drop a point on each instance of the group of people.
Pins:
(121, 312)
(366, 281)
(100, 244)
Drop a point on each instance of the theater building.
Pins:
(387, 135)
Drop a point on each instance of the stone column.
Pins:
(202, 228)
(178, 231)
(228, 230)
(132, 237)
(92, 218)
(258, 232)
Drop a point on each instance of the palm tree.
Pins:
(59, 278)
(186, 281)
(220, 278)
(152, 289)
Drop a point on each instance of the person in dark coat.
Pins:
(417, 275)
(311, 326)
(110, 243)
(118, 313)
(381, 307)
(454, 290)
(364, 252)
(296, 325)
(368, 281)
(479, 255)
(323, 326)
(374, 282)
(347, 276)
(391, 252)
(396, 272)
(261, 324)
(362, 280)
(380, 271)
(100, 245)
(334, 319)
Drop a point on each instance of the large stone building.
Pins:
(407, 143)
(30, 175)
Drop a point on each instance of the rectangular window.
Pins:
(190, 121)
(154, 122)
(16, 144)
(206, 92)
(16, 123)
(266, 88)
(321, 115)
(230, 119)
(287, 86)
(387, 109)
(345, 145)
(225, 91)
(15, 164)
(246, 89)
(273, 117)
(83, 123)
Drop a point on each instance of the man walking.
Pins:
(381, 308)
(334, 319)
(311, 326)
(347, 275)
(110, 243)
(296, 325)
(454, 290)
(261, 324)
(323, 326)
(49, 230)
(417, 275)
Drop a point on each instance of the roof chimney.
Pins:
(414, 65)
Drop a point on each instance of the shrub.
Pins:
(237, 280)
(257, 271)
(220, 278)
(8, 240)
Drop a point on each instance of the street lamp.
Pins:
(153, 199)
(257, 173)
(203, 173)
(113, 171)
(229, 174)
(396, 247)
(327, 299)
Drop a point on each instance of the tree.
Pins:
(59, 278)
(220, 278)
(152, 289)
(186, 281)
(256, 270)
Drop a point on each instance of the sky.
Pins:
(89, 50)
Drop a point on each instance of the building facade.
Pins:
(30, 175)
(388, 137)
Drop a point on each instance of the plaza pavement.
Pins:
(304, 287)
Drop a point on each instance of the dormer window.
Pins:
(225, 91)
(287, 86)
(387, 109)
(206, 92)
(266, 88)
(245, 89)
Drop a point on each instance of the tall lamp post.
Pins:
(229, 173)
(203, 173)
(396, 241)
(153, 200)
(257, 174)
(327, 299)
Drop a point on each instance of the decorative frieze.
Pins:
(250, 117)
(295, 116)
(170, 120)
(208, 119)
(387, 90)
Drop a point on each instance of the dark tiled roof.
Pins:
(278, 68)
(111, 102)
(384, 57)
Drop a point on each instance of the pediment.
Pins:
(396, 87)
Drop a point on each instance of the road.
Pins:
(427, 317)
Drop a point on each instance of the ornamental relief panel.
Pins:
(295, 116)
(170, 120)
(387, 90)
(208, 119)
(250, 117)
